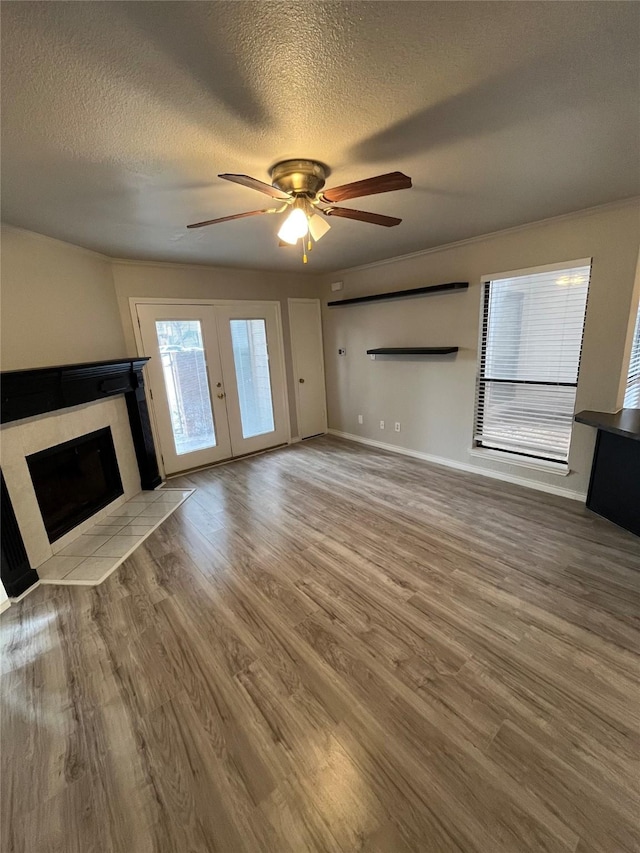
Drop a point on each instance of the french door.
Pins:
(217, 380)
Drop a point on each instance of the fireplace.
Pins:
(50, 418)
(74, 480)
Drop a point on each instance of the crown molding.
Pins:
(479, 238)
(343, 271)
(131, 262)
(6, 226)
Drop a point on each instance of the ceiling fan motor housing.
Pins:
(299, 177)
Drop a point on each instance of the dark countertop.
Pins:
(626, 422)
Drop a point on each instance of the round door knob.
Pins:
(301, 380)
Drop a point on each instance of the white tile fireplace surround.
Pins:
(94, 555)
(20, 439)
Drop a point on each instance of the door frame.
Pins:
(206, 318)
(134, 301)
(294, 360)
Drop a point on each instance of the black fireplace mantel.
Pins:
(37, 391)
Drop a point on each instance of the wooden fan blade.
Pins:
(255, 184)
(371, 186)
(229, 218)
(363, 216)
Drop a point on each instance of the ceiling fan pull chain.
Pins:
(307, 236)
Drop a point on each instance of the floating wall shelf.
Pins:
(412, 351)
(399, 294)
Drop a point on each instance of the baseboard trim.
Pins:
(14, 599)
(5, 605)
(462, 466)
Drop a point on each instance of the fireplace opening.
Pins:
(74, 480)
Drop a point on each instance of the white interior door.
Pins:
(187, 384)
(308, 363)
(252, 358)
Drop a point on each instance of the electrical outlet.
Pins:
(381, 424)
(360, 419)
(342, 351)
(397, 426)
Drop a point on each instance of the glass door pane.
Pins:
(185, 377)
(251, 361)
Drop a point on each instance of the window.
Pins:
(532, 325)
(632, 394)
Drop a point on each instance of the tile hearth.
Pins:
(91, 558)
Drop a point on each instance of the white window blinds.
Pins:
(530, 354)
(632, 394)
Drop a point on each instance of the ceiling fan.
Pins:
(298, 187)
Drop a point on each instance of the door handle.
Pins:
(301, 381)
(220, 396)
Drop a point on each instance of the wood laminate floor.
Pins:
(330, 648)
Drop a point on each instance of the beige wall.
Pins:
(58, 304)
(433, 399)
(178, 281)
(631, 327)
(62, 304)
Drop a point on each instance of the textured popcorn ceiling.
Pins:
(117, 116)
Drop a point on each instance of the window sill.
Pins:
(560, 468)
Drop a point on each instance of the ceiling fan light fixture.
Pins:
(294, 227)
(299, 186)
(318, 226)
